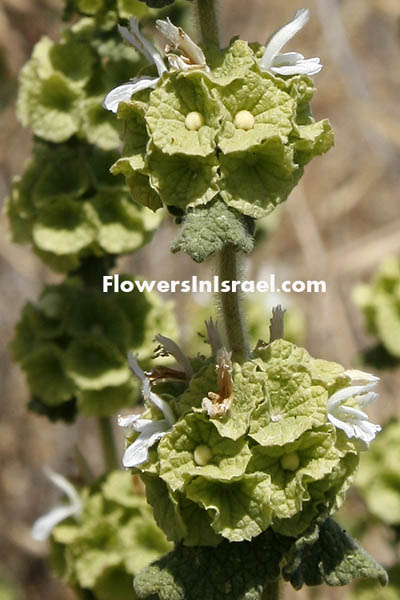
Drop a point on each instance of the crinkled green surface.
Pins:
(208, 229)
(69, 206)
(230, 571)
(253, 136)
(273, 460)
(379, 476)
(379, 302)
(114, 539)
(326, 554)
(243, 570)
(63, 85)
(73, 344)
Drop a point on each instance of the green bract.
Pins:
(114, 539)
(271, 459)
(234, 132)
(380, 304)
(69, 206)
(379, 477)
(63, 85)
(73, 345)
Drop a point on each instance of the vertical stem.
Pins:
(207, 13)
(108, 443)
(272, 591)
(230, 304)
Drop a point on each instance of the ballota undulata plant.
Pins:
(239, 459)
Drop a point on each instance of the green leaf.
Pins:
(207, 230)
(46, 375)
(183, 181)
(107, 401)
(93, 363)
(239, 510)
(255, 182)
(171, 102)
(328, 555)
(64, 227)
(270, 107)
(228, 572)
(177, 453)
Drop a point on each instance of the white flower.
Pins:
(289, 63)
(352, 421)
(169, 347)
(192, 58)
(124, 92)
(193, 55)
(43, 527)
(150, 431)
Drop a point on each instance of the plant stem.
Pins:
(272, 591)
(207, 13)
(108, 443)
(231, 304)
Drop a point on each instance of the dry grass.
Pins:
(338, 224)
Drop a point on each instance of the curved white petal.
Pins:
(138, 452)
(179, 39)
(287, 59)
(134, 365)
(309, 66)
(124, 92)
(43, 527)
(64, 485)
(348, 392)
(281, 37)
(158, 402)
(143, 45)
(346, 427)
(173, 349)
(360, 377)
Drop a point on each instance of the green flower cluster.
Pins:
(63, 85)
(112, 541)
(69, 206)
(73, 344)
(252, 448)
(379, 477)
(380, 304)
(232, 131)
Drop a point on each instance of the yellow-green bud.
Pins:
(290, 462)
(194, 120)
(202, 455)
(244, 120)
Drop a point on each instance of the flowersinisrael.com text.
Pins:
(112, 283)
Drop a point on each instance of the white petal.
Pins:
(134, 365)
(309, 66)
(360, 377)
(351, 414)
(348, 392)
(172, 348)
(137, 40)
(43, 527)
(346, 427)
(179, 39)
(138, 452)
(282, 36)
(287, 59)
(64, 485)
(158, 402)
(132, 422)
(124, 92)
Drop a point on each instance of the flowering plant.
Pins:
(244, 453)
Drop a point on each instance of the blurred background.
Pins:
(338, 224)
